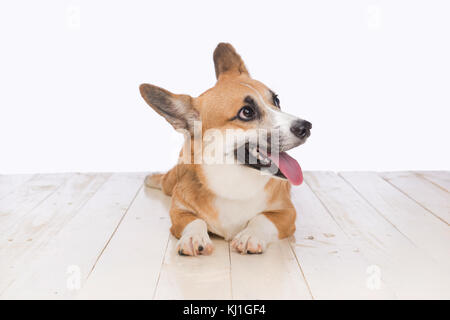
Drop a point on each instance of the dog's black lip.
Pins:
(258, 166)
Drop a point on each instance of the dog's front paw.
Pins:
(195, 240)
(194, 245)
(248, 241)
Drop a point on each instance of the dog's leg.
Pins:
(263, 229)
(192, 233)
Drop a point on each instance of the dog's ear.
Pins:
(226, 60)
(177, 109)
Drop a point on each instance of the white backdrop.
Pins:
(372, 76)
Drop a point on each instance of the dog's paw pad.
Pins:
(246, 242)
(194, 245)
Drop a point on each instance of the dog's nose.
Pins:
(301, 129)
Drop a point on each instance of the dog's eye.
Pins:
(276, 101)
(246, 113)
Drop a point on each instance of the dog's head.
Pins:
(240, 118)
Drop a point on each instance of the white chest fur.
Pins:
(240, 196)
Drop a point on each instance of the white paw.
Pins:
(195, 240)
(247, 241)
(255, 238)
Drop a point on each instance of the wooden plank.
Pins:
(20, 243)
(410, 272)
(9, 183)
(200, 277)
(129, 266)
(439, 178)
(272, 275)
(53, 222)
(332, 263)
(423, 229)
(424, 192)
(28, 196)
(76, 247)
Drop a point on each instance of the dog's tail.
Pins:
(162, 181)
(153, 180)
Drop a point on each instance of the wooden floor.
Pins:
(359, 235)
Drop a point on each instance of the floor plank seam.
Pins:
(376, 210)
(113, 233)
(349, 237)
(6, 288)
(431, 212)
(418, 174)
(372, 214)
(328, 211)
(301, 270)
(76, 211)
(86, 201)
(49, 195)
(231, 278)
(161, 268)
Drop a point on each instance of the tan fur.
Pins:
(191, 197)
(280, 211)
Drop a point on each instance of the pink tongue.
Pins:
(289, 167)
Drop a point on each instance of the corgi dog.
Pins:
(233, 177)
